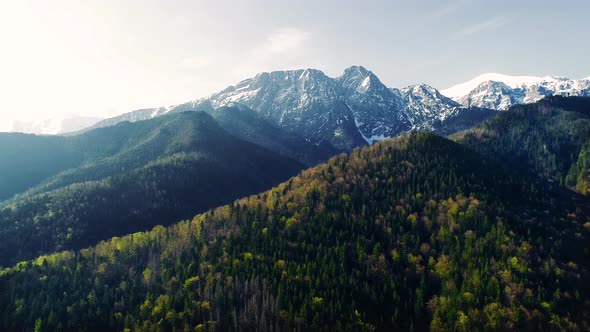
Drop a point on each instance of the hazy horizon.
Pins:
(106, 58)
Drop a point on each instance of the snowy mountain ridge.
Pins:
(353, 109)
(356, 108)
(321, 108)
(499, 91)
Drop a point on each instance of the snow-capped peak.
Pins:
(359, 70)
(361, 79)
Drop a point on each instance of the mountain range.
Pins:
(53, 126)
(499, 92)
(357, 109)
(352, 110)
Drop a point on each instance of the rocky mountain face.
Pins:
(306, 102)
(351, 110)
(499, 92)
(425, 105)
(378, 111)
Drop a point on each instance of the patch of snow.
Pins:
(245, 95)
(376, 138)
(245, 87)
(366, 82)
(357, 124)
(369, 140)
(304, 74)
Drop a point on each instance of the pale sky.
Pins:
(107, 57)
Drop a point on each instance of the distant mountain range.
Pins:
(54, 126)
(352, 110)
(499, 92)
(356, 108)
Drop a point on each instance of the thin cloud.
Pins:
(282, 41)
(446, 10)
(491, 24)
(284, 48)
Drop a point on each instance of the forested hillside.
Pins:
(411, 233)
(157, 172)
(545, 137)
(464, 119)
(579, 174)
(248, 125)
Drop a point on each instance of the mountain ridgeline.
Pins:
(417, 232)
(352, 110)
(500, 92)
(130, 177)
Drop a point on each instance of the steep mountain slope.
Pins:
(410, 233)
(462, 119)
(303, 101)
(248, 125)
(425, 105)
(579, 174)
(28, 159)
(378, 111)
(158, 171)
(499, 92)
(546, 137)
